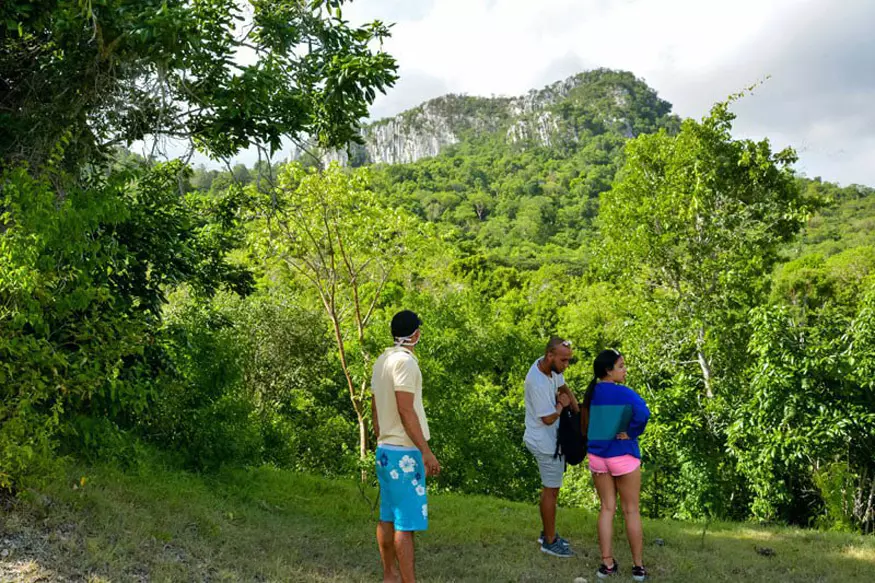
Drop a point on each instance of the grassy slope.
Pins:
(270, 525)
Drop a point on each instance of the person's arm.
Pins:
(406, 377)
(584, 423)
(374, 417)
(562, 402)
(564, 390)
(640, 416)
(413, 428)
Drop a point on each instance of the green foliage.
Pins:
(202, 410)
(473, 364)
(292, 379)
(836, 483)
(522, 201)
(596, 316)
(250, 381)
(808, 409)
(333, 237)
(699, 216)
(812, 281)
(62, 347)
(116, 71)
(848, 221)
(81, 293)
(92, 239)
(689, 227)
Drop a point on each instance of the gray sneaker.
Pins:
(557, 548)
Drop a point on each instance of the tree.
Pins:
(333, 234)
(697, 218)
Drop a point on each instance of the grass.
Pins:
(270, 525)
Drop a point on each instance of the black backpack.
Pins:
(570, 441)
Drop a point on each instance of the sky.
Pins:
(817, 58)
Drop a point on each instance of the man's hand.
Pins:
(622, 436)
(575, 406)
(432, 466)
(564, 400)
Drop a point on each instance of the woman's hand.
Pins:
(622, 436)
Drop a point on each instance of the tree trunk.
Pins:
(363, 429)
(356, 402)
(867, 520)
(703, 363)
(363, 437)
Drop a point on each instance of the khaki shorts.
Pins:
(552, 469)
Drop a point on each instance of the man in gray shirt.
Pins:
(546, 396)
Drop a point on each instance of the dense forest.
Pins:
(230, 317)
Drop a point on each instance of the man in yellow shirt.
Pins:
(403, 456)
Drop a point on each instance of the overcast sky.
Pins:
(820, 55)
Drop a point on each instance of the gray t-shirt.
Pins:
(540, 397)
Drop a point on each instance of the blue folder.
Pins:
(606, 421)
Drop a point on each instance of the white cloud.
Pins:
(482, 47)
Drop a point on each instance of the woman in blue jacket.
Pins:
(614, 416)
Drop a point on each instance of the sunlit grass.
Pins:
(269, 525)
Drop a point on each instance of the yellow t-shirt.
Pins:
(397, 370)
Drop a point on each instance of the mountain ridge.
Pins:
(545, 116)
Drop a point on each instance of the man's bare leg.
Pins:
(386, 540)
(404, 552)
(549, 498)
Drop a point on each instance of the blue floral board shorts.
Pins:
(401, 475)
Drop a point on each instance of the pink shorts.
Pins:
(616, 466)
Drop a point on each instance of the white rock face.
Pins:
(528, 120)
(424, 131)
(541, 129)
(419, 133)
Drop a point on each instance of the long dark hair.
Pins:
(603, 363)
